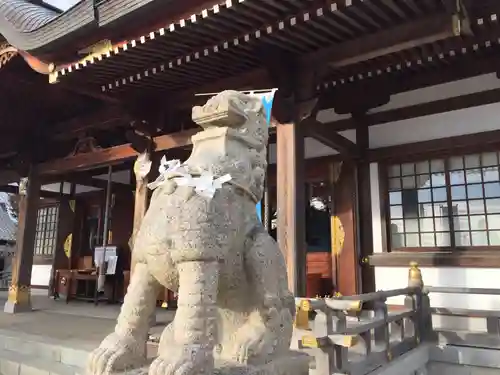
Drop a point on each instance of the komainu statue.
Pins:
(202, 238)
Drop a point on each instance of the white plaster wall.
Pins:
(122, 177)
(467, 121)
(40, 274)
(443, 125)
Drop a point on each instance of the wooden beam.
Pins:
(420, 110)
(467, 143)
(8, 176)
(10, 189)
(462, 67)
(112, 155)
(98, 183)
(330, 138)
(250, 79)
(106, 118)
(408, 35)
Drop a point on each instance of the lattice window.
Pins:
(452, 202)
(46, 230)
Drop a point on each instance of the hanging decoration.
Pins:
(267, 98)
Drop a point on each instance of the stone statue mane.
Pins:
(201, 238)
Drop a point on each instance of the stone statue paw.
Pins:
(254, 345)
(190, 360)
(116, 354)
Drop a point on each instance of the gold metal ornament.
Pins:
(20, 295)
(338, 235)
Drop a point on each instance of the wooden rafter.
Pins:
(409, 35)
(330, 138)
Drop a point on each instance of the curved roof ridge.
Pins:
(25, 16)
(28, 26)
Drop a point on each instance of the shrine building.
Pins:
(384, 144)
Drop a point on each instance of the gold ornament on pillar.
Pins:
(338, 235)
(19, 295)
(23, 186)
(415, 276)
(336, 227)
(67, 245)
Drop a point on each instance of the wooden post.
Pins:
(291, 203)
(142, 167)
(364, 209)
(19, 297)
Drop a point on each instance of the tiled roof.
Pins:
(8, 227)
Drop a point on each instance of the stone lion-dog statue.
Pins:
(202, 238)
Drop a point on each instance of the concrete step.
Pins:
(43, 349)
(13, 363)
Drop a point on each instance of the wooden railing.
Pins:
(357, 334)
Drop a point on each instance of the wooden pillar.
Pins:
(291, 203)
(19, 297)
(142, 167)
(364, 205)
(346, 260)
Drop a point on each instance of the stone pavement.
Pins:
(78, 324)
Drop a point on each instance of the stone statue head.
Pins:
(232, 109)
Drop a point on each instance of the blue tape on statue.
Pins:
(267, 101)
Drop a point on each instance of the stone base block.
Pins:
(14, 308)
(292, 363)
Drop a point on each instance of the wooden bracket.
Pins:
(330, 138)
(85, 145)
(297, 96)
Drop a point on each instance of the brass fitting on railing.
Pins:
(302, 314)
(415, 276)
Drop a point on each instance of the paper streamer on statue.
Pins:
(204, 185)
(166, 167)
(267, 100)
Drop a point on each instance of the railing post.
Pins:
(339, 322)
(381, 333)
(421, 325)
(325, 355)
